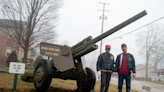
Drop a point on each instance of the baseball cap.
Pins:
(123, 45)
(107, 47)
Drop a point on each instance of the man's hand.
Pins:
(116, 74)
(99, 74)
(134, 74)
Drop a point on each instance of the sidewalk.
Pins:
(137, 85)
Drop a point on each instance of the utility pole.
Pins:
(103, 17)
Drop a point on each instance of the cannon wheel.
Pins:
(42, 75)
(89, 84)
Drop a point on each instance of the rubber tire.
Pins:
(47, 75)
(91, 84)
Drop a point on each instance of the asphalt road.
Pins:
(137, 85)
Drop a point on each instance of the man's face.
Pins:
(124, 49)
(107, 50)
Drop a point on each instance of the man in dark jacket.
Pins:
(105, 65)
(125, 63)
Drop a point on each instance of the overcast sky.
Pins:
(80, 19)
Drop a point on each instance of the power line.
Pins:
(87, 30)
(115, 49)
(91, 13)
(86, 24)
(84, 32)
(129, 47)
(135, 29)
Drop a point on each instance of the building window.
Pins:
(8, 51)
(11, 34)
(160, 65)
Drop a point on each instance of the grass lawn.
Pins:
(57, 85)
(159, 82)
(2, 66)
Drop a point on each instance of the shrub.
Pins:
(52, 63)
(11, 58)
(37, 60)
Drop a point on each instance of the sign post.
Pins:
(15, 81)
(16, 68)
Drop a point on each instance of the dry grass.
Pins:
(2, 66)
(57, 85)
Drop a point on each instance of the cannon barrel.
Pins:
(81, 49)
(82, 42)
(118, 27)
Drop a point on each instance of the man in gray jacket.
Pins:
(105, 65)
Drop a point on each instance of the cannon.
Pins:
(66, 61)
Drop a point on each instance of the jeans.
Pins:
(105, 80)
(121, 78)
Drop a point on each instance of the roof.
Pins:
(162, 59)
(139, 65)
(33, 50)
(145, 68)
(11, 23)
(161, 70)
(28, 58)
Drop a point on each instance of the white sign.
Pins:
(17, 68)
(146, 88)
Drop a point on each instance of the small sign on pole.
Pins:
(16, 68)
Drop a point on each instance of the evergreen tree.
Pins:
(11, 58)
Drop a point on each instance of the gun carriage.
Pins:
(66, 61)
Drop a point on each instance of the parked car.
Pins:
(161, 78)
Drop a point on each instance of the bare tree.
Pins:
(151, 43)
(33, 21)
